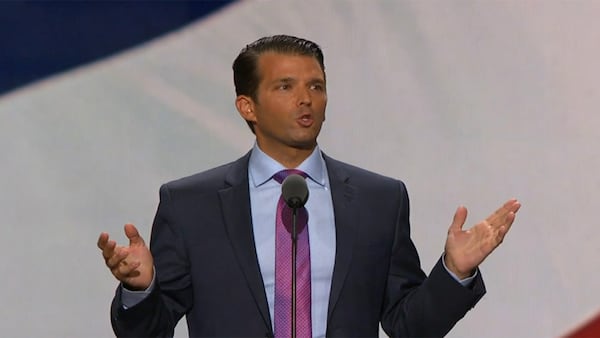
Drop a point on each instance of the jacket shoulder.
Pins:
(215, 178)
(356, 175)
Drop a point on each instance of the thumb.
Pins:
(460, 216)
(134, 236)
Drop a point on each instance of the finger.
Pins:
(102, 239)
(512, 205)
(109, 249)
(460, 216)
(510, 218)
(499, 216)
(119, 257)
(500, 235)
(134, 236)
(503, 229)
(126, 270)
(516, 206)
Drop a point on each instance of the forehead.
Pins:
(273, 65)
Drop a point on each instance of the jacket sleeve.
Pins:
(158, 314)
(416, 305)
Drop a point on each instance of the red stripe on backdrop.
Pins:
(590, 329)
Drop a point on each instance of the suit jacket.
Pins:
(207, 267)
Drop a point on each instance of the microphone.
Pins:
(294, 191)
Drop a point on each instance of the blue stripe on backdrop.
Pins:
(38, 39)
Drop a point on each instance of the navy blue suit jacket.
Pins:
(207, 267)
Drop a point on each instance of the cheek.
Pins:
(322, 108)
(322, 101)
(278, 106)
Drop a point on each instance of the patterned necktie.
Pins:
(283, 268)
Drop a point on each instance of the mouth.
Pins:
(305, 120)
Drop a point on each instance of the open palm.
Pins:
(466, 249)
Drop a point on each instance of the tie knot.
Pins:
(281, 175)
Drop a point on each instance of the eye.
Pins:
(284, 86)
(318, 87)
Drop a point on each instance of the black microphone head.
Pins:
(294, 191)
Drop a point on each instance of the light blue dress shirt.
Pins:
(264, 195)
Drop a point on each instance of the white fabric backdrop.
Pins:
(468, 102)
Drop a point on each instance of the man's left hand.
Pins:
(466, 249)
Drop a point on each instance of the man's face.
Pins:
(290, 102)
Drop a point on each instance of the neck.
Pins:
(289, 157)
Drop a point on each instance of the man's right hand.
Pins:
(133, 265)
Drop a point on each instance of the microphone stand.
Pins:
(295, 193)
(294, 254)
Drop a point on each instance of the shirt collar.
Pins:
(262, 167)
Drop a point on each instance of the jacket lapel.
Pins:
(235, 203)
(345, 208)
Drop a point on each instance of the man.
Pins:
(213, 251)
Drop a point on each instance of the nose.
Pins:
(304, 96)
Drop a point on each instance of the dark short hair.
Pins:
(245, 66)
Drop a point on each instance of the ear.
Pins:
(245, 106)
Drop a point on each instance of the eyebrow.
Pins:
(291, 79)
(285, 79)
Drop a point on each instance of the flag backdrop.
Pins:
(468, 102)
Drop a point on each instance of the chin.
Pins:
(305, 145)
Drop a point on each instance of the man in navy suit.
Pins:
(213, 237)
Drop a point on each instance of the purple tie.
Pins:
(283, 268)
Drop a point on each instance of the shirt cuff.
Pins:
(130, 298)
(464, 282)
